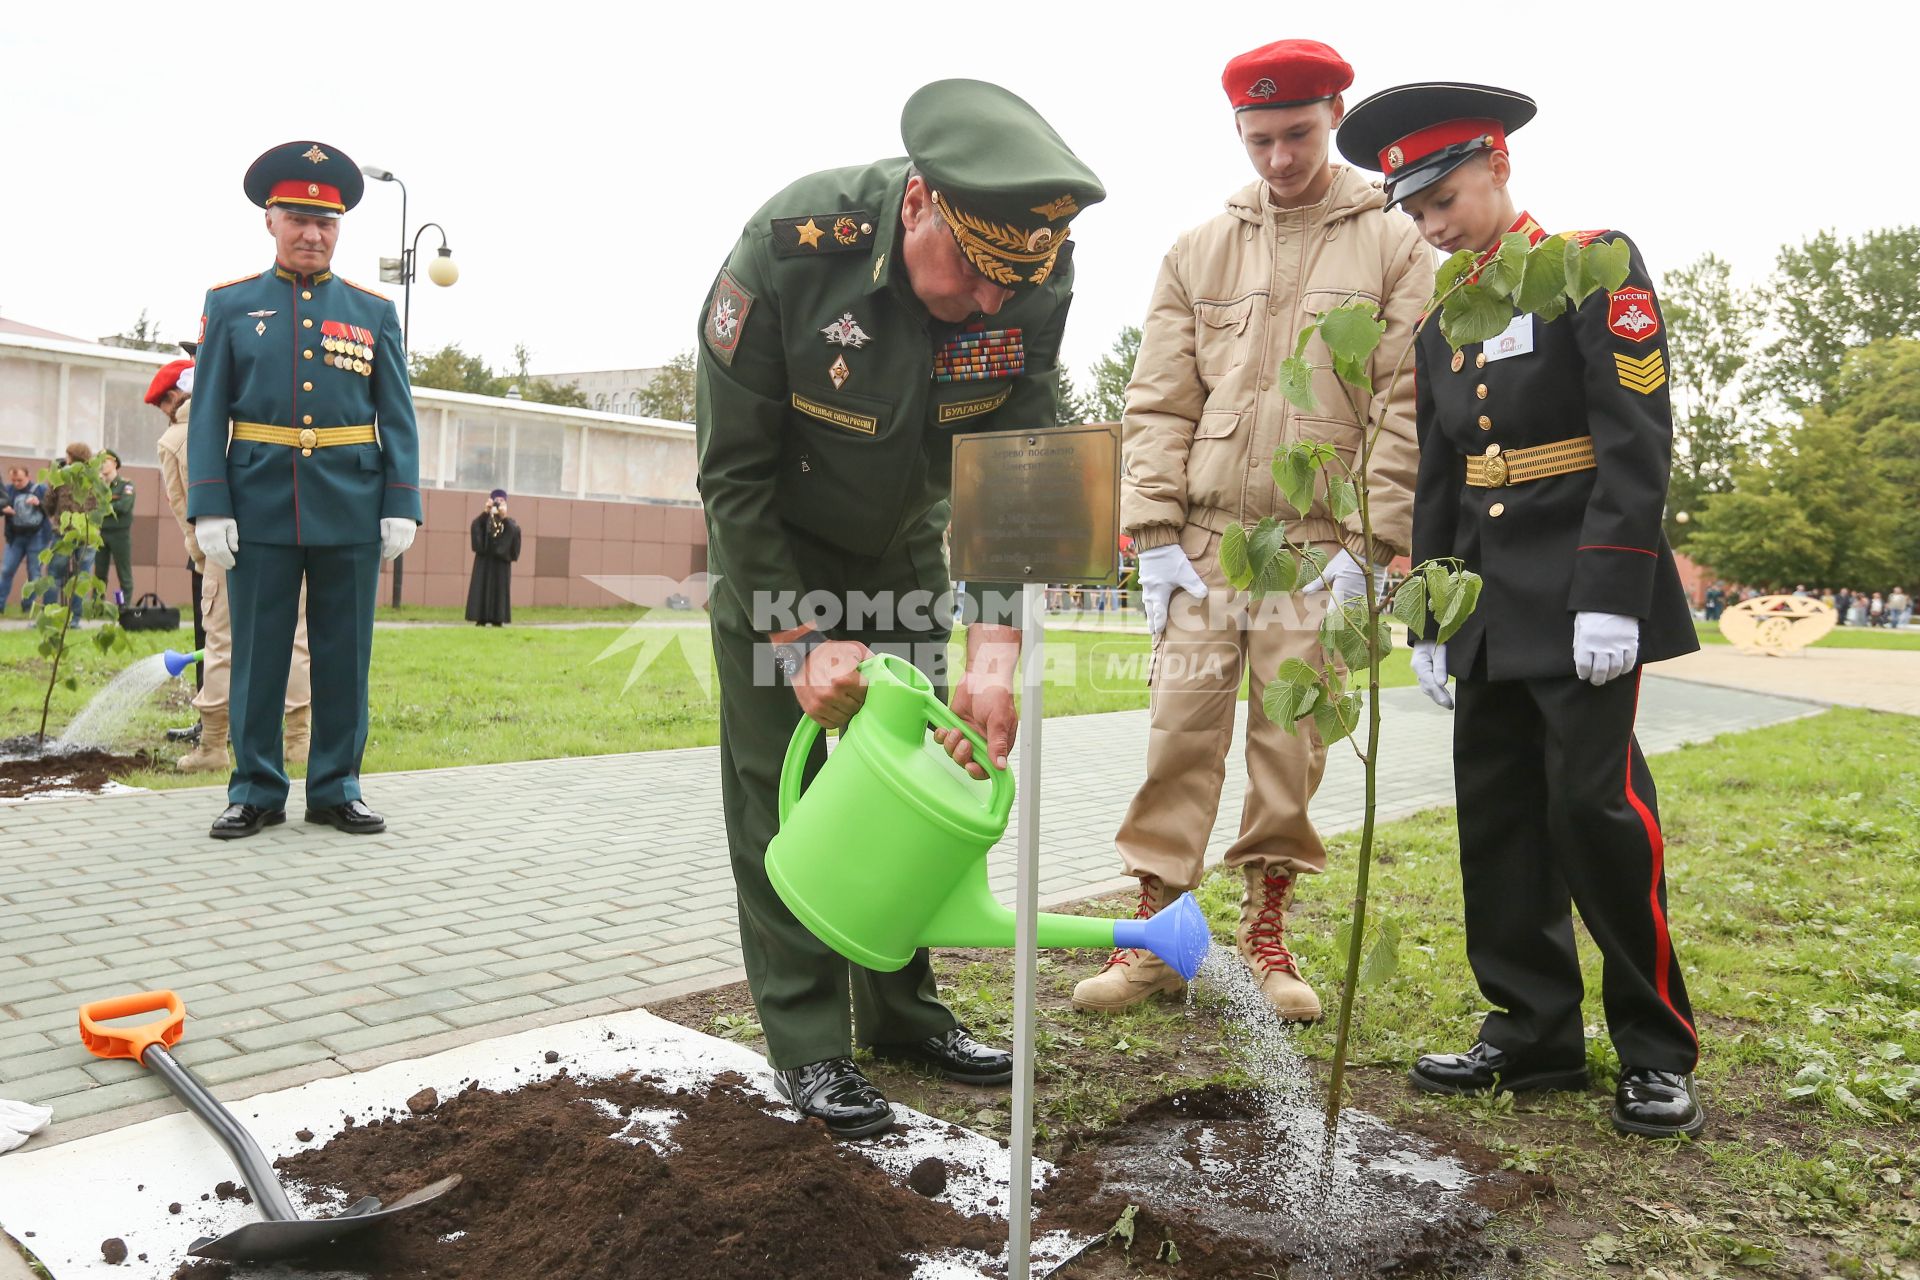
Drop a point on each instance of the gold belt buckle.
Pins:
(1493, 467)
(309, 438)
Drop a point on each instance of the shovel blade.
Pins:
(279, 1241)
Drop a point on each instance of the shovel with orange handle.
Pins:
(284, 1233)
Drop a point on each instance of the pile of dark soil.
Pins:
(548, 1196)
(1199, 1168)
(26, 768)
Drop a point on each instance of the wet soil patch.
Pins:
(27, 768)
(1230, 1185)
(569, 1178)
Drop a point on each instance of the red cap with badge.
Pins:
(1286, 73)
(166, 379)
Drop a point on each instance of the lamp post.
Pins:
(442, 271)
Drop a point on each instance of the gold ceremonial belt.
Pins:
(305, 439)
(1517, 466)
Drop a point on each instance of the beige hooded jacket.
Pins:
(1204, 409)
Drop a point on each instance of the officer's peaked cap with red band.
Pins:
(1417, 134)
(1286, 73)
(305, 177)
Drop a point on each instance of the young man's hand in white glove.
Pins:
(396, 535)
(1164, 570)
(1430, 669)
(1344, 574)
(1605, 646)
(219, 539)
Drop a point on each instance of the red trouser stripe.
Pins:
(1657, 846)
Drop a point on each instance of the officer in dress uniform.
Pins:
(864, 316)
(1544, 459)
(303, 466)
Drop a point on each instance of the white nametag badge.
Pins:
(1517, 340)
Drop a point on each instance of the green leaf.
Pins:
(1450, 273)
(1122, 1229)
(1474, 314)
(1168, 1253)
(1339, 635)
(1286, 701)
(1464, 595)
(1315, 564)
(1296, 384)
(1543, 281)
(1306, 335)
(1343, 499)
(1233, 556)
(1503, 272)
(1383, 960)
(1410, 604)
(1337, 720)
(1601, 265)
(1354, 373)
(1353, 332)
(69, 683)
(1270, 561)
(1293, 471)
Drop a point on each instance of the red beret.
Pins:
(1286, 73)
(166, 379)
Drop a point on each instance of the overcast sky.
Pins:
(593, 164)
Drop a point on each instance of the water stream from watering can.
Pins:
(1309, 1172)
(99, 722)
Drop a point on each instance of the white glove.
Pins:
(20, 1121)
(1605, 645)
(396, 535)
(1163, 571)
(219, 539)
(1430, 669)
(1346, 577)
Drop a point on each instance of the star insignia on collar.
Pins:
(809, 233)
(846, 332)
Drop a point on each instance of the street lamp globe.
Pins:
(1681, 518)
(442, 270)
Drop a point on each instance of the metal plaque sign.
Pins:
(1037, 506)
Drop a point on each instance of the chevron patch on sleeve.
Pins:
(1645, 374)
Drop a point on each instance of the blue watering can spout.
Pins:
(177, 661)
(1177, 934)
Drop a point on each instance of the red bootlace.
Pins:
(1269, 925)
(1141, 912)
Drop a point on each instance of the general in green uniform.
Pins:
(866, 315)
(116, 527)
(302, 464)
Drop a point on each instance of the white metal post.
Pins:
(1026, 896)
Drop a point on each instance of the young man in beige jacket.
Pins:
(1204, 416)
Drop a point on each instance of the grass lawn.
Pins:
(463, 695)
(1793, 858)
(1838, 638)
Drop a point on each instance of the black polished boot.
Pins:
(353, 817)
(835, 1092)
(1484, 1068)
(1657, 1104)
(954, 1054)
(239, 820)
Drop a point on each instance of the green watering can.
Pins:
(886, 852)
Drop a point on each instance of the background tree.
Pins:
(1106, 401)
(670, 394)
(143, 336)
(1711, 325)
(1069, 403)
(452, 369)
(541, 390)
(1828, 295)
(1876, 401)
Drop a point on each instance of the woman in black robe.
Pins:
(496, 545)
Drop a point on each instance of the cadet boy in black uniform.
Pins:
(1544, 459)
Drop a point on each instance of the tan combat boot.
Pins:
(1262, 939)
(1130, 975)
(299, 731)
(210, 753)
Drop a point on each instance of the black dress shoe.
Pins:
(834, 1091)
(1657, 1104)
(954, 1054)
(353, 817)
(244, 820)
(1483, 1068)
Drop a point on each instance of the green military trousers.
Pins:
(264, 594)
(800, 985)
(116, 549)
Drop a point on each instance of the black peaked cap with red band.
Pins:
(1286, 73)
(1416, 134)
(305, 177)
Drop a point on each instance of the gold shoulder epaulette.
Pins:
(236, 280)
(362, 288)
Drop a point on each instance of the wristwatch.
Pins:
(790, 655)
